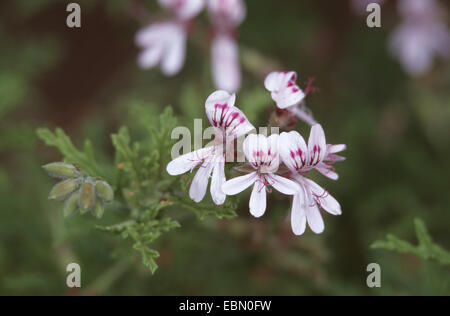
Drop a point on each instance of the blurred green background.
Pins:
(86, 80)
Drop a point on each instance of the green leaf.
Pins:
(426, 249)
(85, 160)
(204, 209)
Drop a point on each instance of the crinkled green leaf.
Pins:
(426, 249)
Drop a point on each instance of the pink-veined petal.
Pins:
(327, 171)
(188, 161)
(239, 184)
(317, 146)
(283, 185)
(226, 69)
(285, 92)
(324, 199)
(223, 115)
(262, 152)
(258, 200)
(217, 180)
(200, 182)
(298, 215)
(293, 150)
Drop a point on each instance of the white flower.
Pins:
(263, 155)
(163, 44)
(229, 123)
(421, 36)
(226, 69)
(225, 16)
(301, 158)
(183, 9)
(288, 95)
(285, 91)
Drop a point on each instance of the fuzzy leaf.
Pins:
(426, 249)
(85, 160)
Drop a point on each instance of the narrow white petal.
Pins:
(327, 171)
(315, 219)
(298, 215)
(258, 200)
(173, 59)
(200, 182)
(225, 63)
(317, 145)
(293, 150)
(332, 149)
(324, 199)
(217, 180)
(239, 184)
(283, 185)
(188, 161)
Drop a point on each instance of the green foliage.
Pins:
(426, 249)
(85, 159)
(142, 186)
(203, 210)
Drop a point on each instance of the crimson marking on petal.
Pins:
(231, 118)
(316, 154)
(224, 110)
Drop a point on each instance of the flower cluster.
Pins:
(279, 161)
(422, 35)
(163, 43)
(79, 192)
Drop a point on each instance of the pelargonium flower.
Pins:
(225, 16)
(422, 36)
(301, 158)
(164, 43)
(285, 91)
(263, 155)
(229, 123)
(287, 94)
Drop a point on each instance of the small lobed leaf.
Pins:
(426, 249)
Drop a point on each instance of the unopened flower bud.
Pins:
(87, 196)
(61, 170)
(71, 204)
(104, 191)
(98, 209)
(63, 189)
